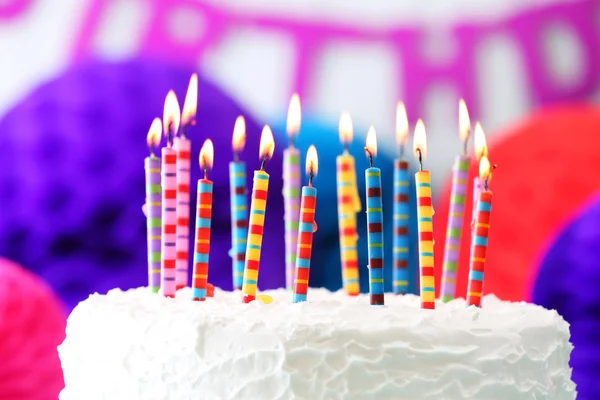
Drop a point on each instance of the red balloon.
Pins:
(547, 169)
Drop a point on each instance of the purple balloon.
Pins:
(72, 177)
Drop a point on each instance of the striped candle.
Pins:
(239, 222)
(291, 203)
(374, 222)
(182, 146)
(479, 247)
(203, 219)
(171, 119)
(202, 242)
(401, 214)
(304, 249)
(480, 237)
(169, 219)
(425, 223)
(348, 206)
(258, 207)
(153, 219)
(375, 235)
(454, 229)
(425, 220)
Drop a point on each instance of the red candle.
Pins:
(203, 220)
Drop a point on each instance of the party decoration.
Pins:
(306, 228)
(153, 204)
(203, 220)
(527, 29)
(258, 208)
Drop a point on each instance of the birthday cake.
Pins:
(139, 345)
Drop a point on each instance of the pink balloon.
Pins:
(32, 325)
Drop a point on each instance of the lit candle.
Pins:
(291, 190)
(456, 214)
(481, 150)
(306, 228)
(480, 236)
(169, 196)
(203, 219)
(374, 222)
(258, 207)
(400, 275)
(425, 220)
(348, 206)
(238, 203)
(183, 147)
(153, 209)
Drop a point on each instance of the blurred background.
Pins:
(81, 81)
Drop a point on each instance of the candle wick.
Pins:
(152, 151)
(401, 150)
(205, 172)
(262, 165)
(236, 156)
(292, 143)
(346, 146)
(420, 159)
(465, 146)
(169, 135)
(370, 156)
(311, 174)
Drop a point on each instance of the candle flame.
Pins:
(464, 122)
(188, 116)
(420, 140)
(154, 133)
(267, 144)
(485, 169)
(171, 113)
(312, 161)
(480, 142)
(207, 154)
(401, 124)
(238, 140)
(371, 142)
(345, 128)
(294, 116)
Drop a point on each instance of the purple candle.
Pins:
(153, 206)
(456, 215)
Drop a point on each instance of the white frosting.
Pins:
(137, 345)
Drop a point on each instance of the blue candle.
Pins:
(374, 223)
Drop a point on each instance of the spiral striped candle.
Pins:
(425, 224)
(153, 220)
(182, 146)
(478, 249)
(401, 222)
(239, 222)
(258, 206)
(291, 202)
(348, 206)
(305, 238)
(454, 229)
(375, 235)
(202, 242)
(169, 220)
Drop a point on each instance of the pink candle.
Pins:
(183, 147)
(169, 197)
